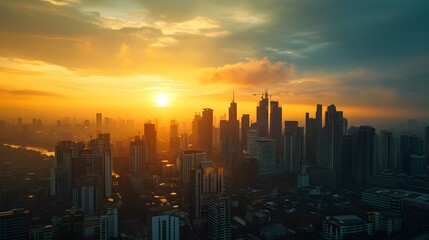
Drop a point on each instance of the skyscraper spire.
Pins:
(233, 96)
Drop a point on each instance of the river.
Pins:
(37, 149)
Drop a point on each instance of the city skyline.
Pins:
(142, 59)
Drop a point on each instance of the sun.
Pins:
(162, 100)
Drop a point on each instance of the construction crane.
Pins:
(262, 94)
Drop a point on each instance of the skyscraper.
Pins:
(276, 127)
(109, 225)
(234, 124)
(150, 141)
(293, 147)
(366, 155)
(205, 132)
(14, 224)
(262, 116)
(219, 218)
(99, 122)
(138, 155)
(387, 151)
(245, 125)
(313, 127)
(207, 181)
(426, 144)
(165, 227)
(190, 160)
(266, 156)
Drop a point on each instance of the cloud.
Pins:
(32, 93)
(252, 72)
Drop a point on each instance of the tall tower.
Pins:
(293, 147)
(207, 181)
(366, 151)
(234, 124)
(190, 160)
(14, 224)
(205, 132)
(426, 144)
(245, 126)
(219, 218)
(262, 116)
(99, 122)
(138, 155)
(150, 140)
(387, 150)
(276, 127)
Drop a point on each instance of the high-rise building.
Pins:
(165, 227)
(387, 151)
(219, 218)
(226, 145)
(99, 122)
(409, 145)
(205, 132)
(234, 125)
(313, 127)
(262, 116)
(276, 127)
(189, 160)
(366, 155)
(266, 155)
(426, 144)
(252, 135)
(150, 141)
(293, 147)
(206, 182)
(245, 126)
(14, 224)
(83, 176)
(174, 140)
(65, 151)
(109, 225)
(418, 166)
(329, 143)
(138, 155)
(194, 136)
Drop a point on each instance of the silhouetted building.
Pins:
(190, 160)
(14, 224)
(276, 128)
(418, 166)
(205, 132)
(329, 143)
(266, 156)
(387, 151)
(293, 147)
(150, 141)
(313, 126)
(409, 145)
(69, 225)
(245, 126)
(252, 135)
(61, 182)
(234, 125)
(262, 116)
(138, 155)
(206, 182)
(194, 136)
(174, 141)
(366, 155)
(426, 144)
(219, 218)
(99, 122)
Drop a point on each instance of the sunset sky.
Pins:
(148, 59)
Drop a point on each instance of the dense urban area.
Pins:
(230, 178)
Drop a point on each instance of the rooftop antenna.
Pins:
(233, 97)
